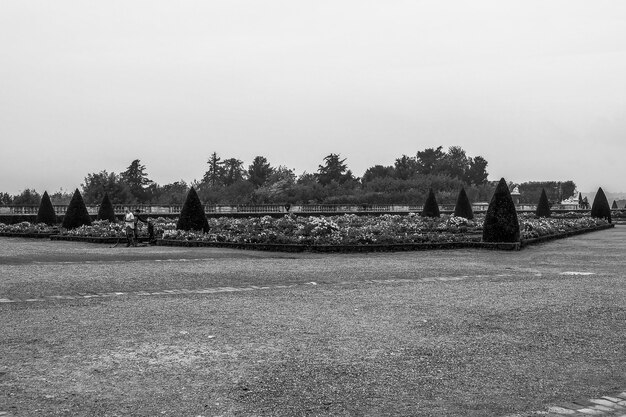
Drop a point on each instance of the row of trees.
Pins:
(229, 181)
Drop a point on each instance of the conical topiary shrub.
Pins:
(501, 223)
(463, 206)
(600, 206)
(106, 210)
(543, 207)
(192, 215)
(46, 212)
(76, 214)
(614, 206)
(431, 209)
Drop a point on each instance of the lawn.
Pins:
(438, 333)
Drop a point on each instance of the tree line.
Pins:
(230, 181)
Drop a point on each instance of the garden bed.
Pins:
(345, 233)
(546, 238)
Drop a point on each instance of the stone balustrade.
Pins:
(167, 210)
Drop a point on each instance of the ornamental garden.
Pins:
(501, 227)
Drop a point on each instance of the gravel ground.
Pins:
(513, 332)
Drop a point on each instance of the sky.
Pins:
(536, 87)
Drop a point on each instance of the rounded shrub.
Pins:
(600, 206)
(76, 214)
(192, 215)
(431, 208)
(106, 210)
(46, 213)
(501, 223)
(543, 207)
(463, 207)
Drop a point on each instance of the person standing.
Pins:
(129, 223)
(137, 218)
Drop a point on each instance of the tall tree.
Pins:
(334, 169)
(405, 167)
(214, 176)
(233, 171)
(378, 171)
(98, 184)
(136, 178)
(174, 193)
(27, 197)
(454, 163)
(429, 160)
(5, 199)
(476, 173)
(259, 171)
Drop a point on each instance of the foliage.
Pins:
(46, 213)
(532, 227)
(614, 206)
(501, 222)
(27, 197)
(600, 206)
(431, 208)
(543, 207)
(463, 207)
(96, 185)
(76, 214)
(233, 171)
(213, 176)
(334, 169)
(378, 171)
(136, 178)
(5, 199)
(259, 171)
(350, 229)
(174, 193)
(429, 160)
(192, 215)
(556, 191)
(106, 211)
(346, 229)
(27, 227)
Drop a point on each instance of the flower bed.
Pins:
(532, 227)
(329, 233)
(26, 229)
(347, 229)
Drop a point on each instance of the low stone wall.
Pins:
(400, 247)
(27, 235)
(94, 239)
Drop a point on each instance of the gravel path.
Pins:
(197, 331)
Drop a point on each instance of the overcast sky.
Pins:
(538, 88)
